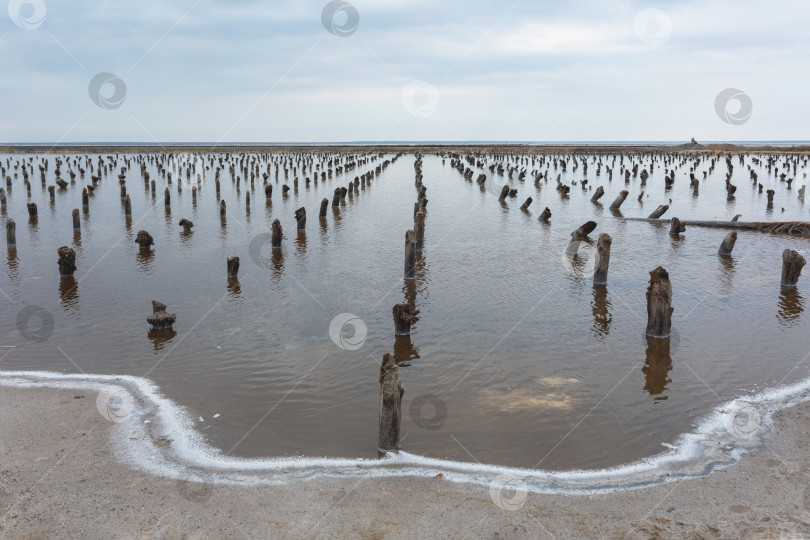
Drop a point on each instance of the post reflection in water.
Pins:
(13, 264)
(404, 350)
(278, 261)
(144, 257)
(69, 291)
(791, 306)
(301, 244)
(601, 311)
(160, 338)
(234, 288)
(657, 367)
(727, 276)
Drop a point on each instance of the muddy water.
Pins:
(516, 358)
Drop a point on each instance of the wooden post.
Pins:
(792, 264)
(770, 193)
(247, 201)
(233, 267)
(268, 191)
(617, 203)
(277, 234)
(598, 194)
(32, 209)
(403, 317)
(223, 212)
(186, 224)
(410, 255)
(659, 300)
(67, 261)
(391, 392)
(11, 233)
(159, 319)
(525, 205)
(600, 270)
(504, 193)
(76, 222)
(324, 206)
(127, 206)
(144, 239)
(545, 215)
(124, 191)
(336, 198)
(167, 197)
(677, 227)
(85, 198)
(578, 235)
(3, 198)
(658, 212)
(728, 243)
(419, 230)
(301, 218)
(194, 194)
(52, 192)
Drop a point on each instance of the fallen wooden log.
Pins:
(789, 227)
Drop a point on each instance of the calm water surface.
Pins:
(516, 359)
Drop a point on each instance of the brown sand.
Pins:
(59, 478)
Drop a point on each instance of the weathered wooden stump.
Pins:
(52, 192)
(659, 300)
(391, 392)
(159, 319)
(167, 197)
(336, 198)
(602, 261)
(277, 234)
(618, 201)
(410, 255)
(419, 230)
(324, 206)
(504, 193)
(32, 209)
(598, 194)
(3, 201)
(545, 215)
(301, 218)
(11, 233)
(186, 224)
(677, 227)
(578, 235)
(403, 317)
(728, 243)
(770, 193)
(223, 211)
(525, 205)
(67, 261)
(233, 267)
(792, 264)
(144, 239)
(658, 212)
(76, 221)
(193, 194)
(127, 206)
(123, 191)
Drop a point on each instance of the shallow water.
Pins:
(516, 358)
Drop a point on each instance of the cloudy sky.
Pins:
(395, 70)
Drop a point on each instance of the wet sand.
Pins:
(59, 477)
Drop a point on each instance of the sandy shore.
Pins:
(59, 477)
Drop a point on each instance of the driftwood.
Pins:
(728, 243)
(233, 267)
(301, 218)
(789, 227)
(659, 300)
(403, 317)
(391, 392)
(324, 206)
(617, 203)
(792, 264)
(658, 212)
(677, 227)
(419, 230)
(545, 215)
(76, 221)
(602, 261)
(67, 261)
(598, 194)
(159, 319)
(277, 234)
(11, 232)
(144, 239)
